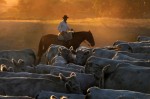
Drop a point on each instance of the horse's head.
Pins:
(90, 38)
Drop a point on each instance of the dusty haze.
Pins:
(27, 34)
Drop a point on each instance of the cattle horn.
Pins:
(62, 77)
(20, 62)
(72, 74)
(53, 97)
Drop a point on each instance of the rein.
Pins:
(87, 43)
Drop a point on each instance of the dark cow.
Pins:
(138, 49)
(97, 93)
(132, 44)
(124, 47)
(82, 56)
(27, 55)
(105, 61)
(11, 65)
(122, 76)
(119, 42)
(23, 86)
(58, 60)
(143, 38)
(85, 80)
(119, 56)
(103, 53)
(143, 56)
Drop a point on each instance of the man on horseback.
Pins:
(65, 33)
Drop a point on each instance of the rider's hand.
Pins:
(71, 29)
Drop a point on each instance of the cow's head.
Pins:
(71, 83)
(124, 47)
(81, 56)
(66, 53)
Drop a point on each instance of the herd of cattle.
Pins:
(120, 71)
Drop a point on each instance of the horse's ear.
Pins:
(89, 31)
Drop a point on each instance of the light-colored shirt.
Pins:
(63, 26)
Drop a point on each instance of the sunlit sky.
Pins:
(11, 2)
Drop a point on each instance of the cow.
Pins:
(143, 38)
(136, 49)
(25, 86)
(53, 50)
(124, 47)
(103, 53)
(97, 93)
(48, 94)
(11, 65)
(85, 80)
(132, 44)
(4, 68)
(140, 56)
(121, 76)
(83, 55)
(27, 55)
(119, 56)
(105, 61)
(119, 42)
(58, 60)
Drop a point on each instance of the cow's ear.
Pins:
(3, 68)
(11, 69)
(62, 77)
(71, 48)
(72, 74)
(53, 97)
(60, 49)
(21, 62)
(14, 62)
(64, 97)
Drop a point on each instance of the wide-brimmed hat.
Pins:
(65, 16)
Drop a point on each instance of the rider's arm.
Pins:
(60, 27)
(68, 28)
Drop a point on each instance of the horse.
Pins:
(78, 38)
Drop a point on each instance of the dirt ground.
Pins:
(16, 35)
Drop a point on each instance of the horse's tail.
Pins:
(40, 49)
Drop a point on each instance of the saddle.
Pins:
(63, 38)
